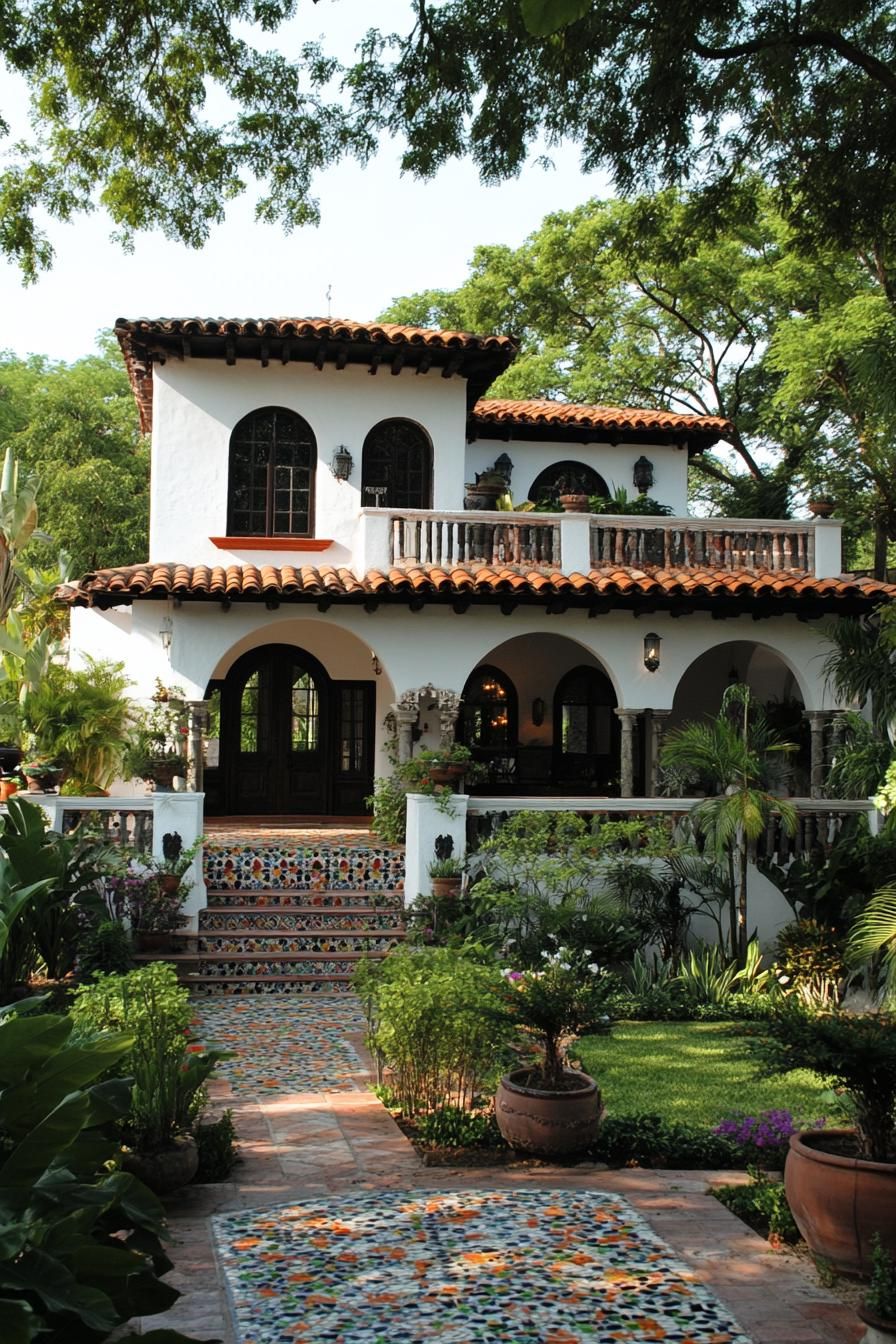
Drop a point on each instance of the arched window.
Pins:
(489, 712)
(396, 466)
(270, 489)
(566, 478)
(586, 731)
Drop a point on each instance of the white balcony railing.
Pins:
(575, 542)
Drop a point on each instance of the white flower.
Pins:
(593, 968)
(565, 966)
(783, 979)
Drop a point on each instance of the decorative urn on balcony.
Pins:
(486, 490)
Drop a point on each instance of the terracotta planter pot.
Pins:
(553, 1124)
(820, 508)
(163, 773)
(7, 788)
(445, 887)
(446, 774)
(838, 1203)
(575, 503)
(153, 940)
(480, 498)
(878, 1330)
(166, 1169)
(48, 782)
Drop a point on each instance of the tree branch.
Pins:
(813, 37)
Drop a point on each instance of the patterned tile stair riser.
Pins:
(546, 1267)
(294, 914)
(266, 943)
(326, 865)
(284, 1048)
(214, 921)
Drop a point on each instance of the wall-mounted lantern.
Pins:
(342, 463)
(652, 652)
(166, 633)
(538, 708)
(642, 475)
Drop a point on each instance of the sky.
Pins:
(381, 235)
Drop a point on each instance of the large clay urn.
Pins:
(839, 1202)
(552, 1124)
(165, 1169)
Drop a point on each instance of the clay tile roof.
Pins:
(148, 340)
(624, 586)
(564, 416)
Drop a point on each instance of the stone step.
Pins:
(268, 984)
(256, 919)
(262, 942)
(304, 898)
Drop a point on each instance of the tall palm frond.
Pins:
(873, 932)
(861, 665)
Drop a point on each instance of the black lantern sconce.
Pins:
(652, 652)
(538, 708)
(342, 463)
(643, 475)
(504, 467)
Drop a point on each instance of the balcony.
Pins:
(575, 542)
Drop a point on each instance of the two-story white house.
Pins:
(315, 577)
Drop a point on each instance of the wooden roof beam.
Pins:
(453, 364)
(401, 355)
(320, 356)
(425, 363)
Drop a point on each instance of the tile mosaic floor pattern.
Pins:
(285, 1045)
(550, 1267)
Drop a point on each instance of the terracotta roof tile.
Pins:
(303, 328)
(109, 587)
(563, 415)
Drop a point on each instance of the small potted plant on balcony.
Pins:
(486, 490)
(547, 1107)
(446, 878)
(436, 766)
(822, 506)
(42, 775)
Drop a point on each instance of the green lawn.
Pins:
(690, 1071)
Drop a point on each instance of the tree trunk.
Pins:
(732, 907)
(880, 549)
(741, 950)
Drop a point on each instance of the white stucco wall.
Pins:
(197, 403)
(435, 644)
(614, 462)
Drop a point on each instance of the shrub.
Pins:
(107, 949)
(169, 1073)
(452, 1127)
(854, 1052)
(762, 1205)
(645, 1140)
(762, 1140)
(218, 1151)
(388, 802)
(80, 1252)
(433, 1022)
(810, 963)
(881, 1295)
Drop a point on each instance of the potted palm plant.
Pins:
(547, 1107)
(74, 725)
(155, 751)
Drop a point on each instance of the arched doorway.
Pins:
(293, 741)
(488, 720)
(586, 733)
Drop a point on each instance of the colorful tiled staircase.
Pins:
(293, 912)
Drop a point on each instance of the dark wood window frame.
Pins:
(398, 491)
(302, 437)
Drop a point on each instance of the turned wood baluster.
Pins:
(776, 550)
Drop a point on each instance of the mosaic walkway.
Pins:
(552, 1267)
(285, 1045)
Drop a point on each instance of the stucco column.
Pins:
(658, 719)
(405, 719)
(197, 719)
(627, 719)
(836, 731)
(817, 719)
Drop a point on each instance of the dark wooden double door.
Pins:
(293, 741)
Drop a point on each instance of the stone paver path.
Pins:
(327, 1176)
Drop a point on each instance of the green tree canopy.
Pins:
(163, 115)
(75, 426)
(643, 303)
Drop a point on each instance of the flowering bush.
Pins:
(763, 1139)
(567, 995)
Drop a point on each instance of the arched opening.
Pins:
(292, 740)
(586, 733)
(529, 706)
(773, 684)
(396, 466)
(270, 482)
(562, 478)
(488, 719)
